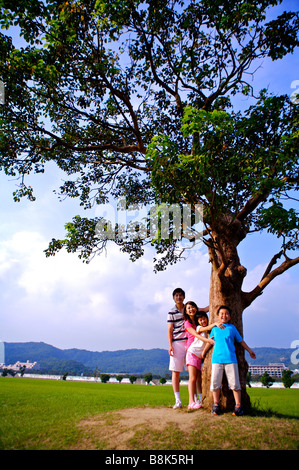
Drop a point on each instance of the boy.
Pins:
(177, 339)
(224, 359)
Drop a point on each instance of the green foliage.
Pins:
(84, 65)
(55, 366)
(131, 99)
(148, 377)
(7, 372)
(235, 158)
(287, 378)
(266, 380)
(104, 378)
(132, 378)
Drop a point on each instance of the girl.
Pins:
(193, 362)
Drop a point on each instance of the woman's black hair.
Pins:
(185, 314)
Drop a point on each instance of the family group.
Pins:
(190, 336)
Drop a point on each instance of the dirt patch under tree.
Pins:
(167, 429)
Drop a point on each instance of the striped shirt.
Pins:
(176, 318)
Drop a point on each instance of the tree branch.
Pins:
(268, 276)
(157, 79)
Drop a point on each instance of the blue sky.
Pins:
(113, 303)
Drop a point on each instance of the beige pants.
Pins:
(232, 375)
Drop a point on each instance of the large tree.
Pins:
(132, 99)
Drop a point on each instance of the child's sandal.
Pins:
(238, 411)
(215, 409)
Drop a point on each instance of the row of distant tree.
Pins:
(133, 378)
(288, 379)
(104, 378)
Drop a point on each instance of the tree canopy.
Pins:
(133, 98)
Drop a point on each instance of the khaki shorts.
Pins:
(232, 375)
(178, 360)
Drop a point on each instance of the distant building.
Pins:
(274, 370)
(17, 366)
(2, 353)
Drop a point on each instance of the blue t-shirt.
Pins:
(224, 348)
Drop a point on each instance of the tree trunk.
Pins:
(226, 289)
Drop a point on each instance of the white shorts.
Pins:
(178, 360)
(232, 375)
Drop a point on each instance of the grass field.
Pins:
(46, 414)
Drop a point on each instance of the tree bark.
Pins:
(227, 277)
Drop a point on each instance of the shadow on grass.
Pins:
(261, 411)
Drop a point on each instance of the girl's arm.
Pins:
(220, 325)
(202, 338)
(206, 348)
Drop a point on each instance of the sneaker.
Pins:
(197, 406)
(177, 404)
(238, 411)
(194, 406)
(215, 409)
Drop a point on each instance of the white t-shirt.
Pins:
(197, 346)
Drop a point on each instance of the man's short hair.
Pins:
(178, 290)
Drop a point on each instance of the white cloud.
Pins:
(113, 303)
(110, 303)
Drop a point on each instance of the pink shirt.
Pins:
(190, 338)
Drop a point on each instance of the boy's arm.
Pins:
(245, 346)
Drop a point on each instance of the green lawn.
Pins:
(284, 402)
(43, 414)
(40, 414)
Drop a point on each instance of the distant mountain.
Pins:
(128, 361)
(265, 356)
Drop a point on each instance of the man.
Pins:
(177, 340)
